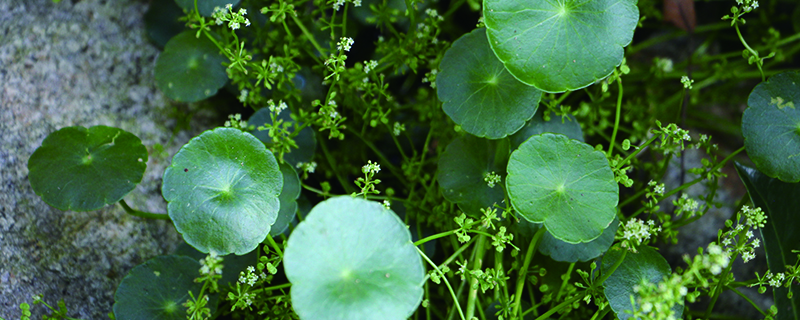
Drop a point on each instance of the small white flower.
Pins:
(387, 204)
(345, 44)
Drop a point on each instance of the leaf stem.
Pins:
(274, 245)
(523, 272)
(480, 250)
(550, 312)
(307, 34)
(142, 214)
(758, 61)
(447, 283)
(611, 270)
(616, 118)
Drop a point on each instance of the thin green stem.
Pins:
(447, 283)
(347, 187)
(523, 272)
(308, 35)
(565, 280)
(753, 52)
(275, 287)
(639, 149)
(434, 237)
(552, 311)
(616, 118)
(611, 270)
(718, 288)
(274, 245)
(480, 250)
(736, 291)
(142, 214)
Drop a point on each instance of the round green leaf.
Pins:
(353, 259)
(646, 265)
(771, 126)
(222, 188)
(560, 45)
(205, 7)
(288, 199)
(158, 288)
(190, 68)
(306, 140)
(85, 169)
(565, 184)
(462, 169)
(484, 99)
(568, 126)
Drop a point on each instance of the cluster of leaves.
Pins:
(524, 161)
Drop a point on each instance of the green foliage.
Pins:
(486, 101)
(222, 190)
(564, 184)
(511, 191)
(560, 45)
(86, 169)
(771, 126)
(363, 255)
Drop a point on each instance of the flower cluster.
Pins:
(367, 183)
(687, 83)
(636, 232)
(234, 18)
(491, 179)
(211, 264)
(672, 137)
(235, 121)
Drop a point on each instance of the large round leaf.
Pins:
(288, 199)
(353, 259)
(306, 140)
(771, 126)
(222, 188)
(205, 7)
(646, 265)
(85, 169)
(190, 68)
(537, 125)
(479, 94)
(462, 171)
(560, 45)
(158, 288)
(565, 184)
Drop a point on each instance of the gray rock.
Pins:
(80, 63)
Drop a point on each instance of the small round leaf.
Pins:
(483, 98)
(353, 259)
(85, 169)
(306, 140)
(190, 69)
(158, 288)
(560, 45)
(222, 191)
(646, 265)
(462, 172)
(771, 126)
(565, 184)
(288, 199)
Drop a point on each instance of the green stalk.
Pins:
(142, 214)
(480, 249)
(616, 118)
(447, 283)
(307, 34)
(523, 273)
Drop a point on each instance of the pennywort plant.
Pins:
(503, 159)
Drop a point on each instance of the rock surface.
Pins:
(79, 63)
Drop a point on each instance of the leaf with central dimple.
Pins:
(479, 94)
(565, 184)
(771, 126)
(85, 169)
(190, 68)
(353, 259)
(222, 188)
(158, 288)
(560, 45)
